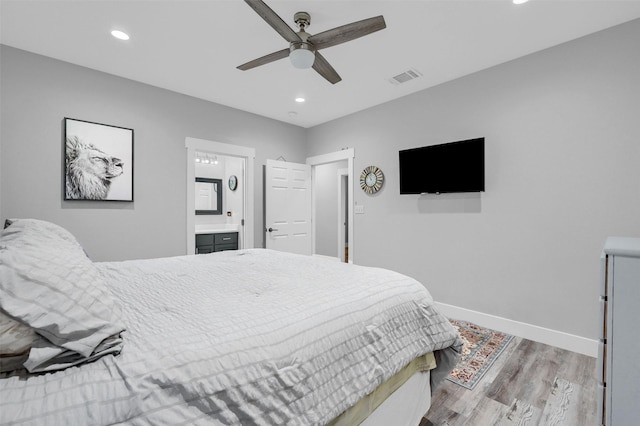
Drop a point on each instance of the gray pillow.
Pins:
(48, 284)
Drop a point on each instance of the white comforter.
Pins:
(240, 337)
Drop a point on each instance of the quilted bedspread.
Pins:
(240, 338)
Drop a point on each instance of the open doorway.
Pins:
(329, 222)
(238, 162)
(230, 215)
(332, 192)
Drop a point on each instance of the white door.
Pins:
(288, 207)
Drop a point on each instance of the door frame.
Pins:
(249, 154)
(341, 213)
(333, 157)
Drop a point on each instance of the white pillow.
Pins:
(48, 283)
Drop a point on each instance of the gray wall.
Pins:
(38, 92)
(562, 174)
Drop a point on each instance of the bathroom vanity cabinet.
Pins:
(219, 241)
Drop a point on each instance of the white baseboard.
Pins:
(547, 336)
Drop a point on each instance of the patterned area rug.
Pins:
(482, 347)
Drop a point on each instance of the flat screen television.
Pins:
(449, 167)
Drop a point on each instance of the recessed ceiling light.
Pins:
(300, 100)
(120, 35)
(519, 1)
(293, 114)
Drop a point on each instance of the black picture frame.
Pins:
(98, 161)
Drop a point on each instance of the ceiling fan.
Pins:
(303, 47)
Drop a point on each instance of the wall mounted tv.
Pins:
(449, 167)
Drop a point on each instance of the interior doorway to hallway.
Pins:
(332, 195)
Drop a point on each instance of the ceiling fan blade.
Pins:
(264, 59)
(347, 32)
(325, 69)
(273, 19)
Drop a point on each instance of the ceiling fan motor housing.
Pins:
(303, 43)
(302, 19)
(302, 52)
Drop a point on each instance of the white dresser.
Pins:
(618, 371)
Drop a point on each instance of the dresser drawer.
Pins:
(204, 240)
(600, 414)
(602, 332)
(604, 270)
(600, 367)
(204, 249)
(226, 238)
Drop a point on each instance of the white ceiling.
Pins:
(193, 47)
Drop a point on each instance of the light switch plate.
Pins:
(359, 209)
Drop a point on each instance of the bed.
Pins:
(238, 337)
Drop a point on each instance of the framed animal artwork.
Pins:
(98, 161)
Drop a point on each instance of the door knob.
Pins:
(271, 229)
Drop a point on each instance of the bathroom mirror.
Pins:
(208, 196)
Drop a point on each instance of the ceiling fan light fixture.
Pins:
(301, 56)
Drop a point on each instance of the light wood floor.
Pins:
(530, 384)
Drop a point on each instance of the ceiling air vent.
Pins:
(403, 77)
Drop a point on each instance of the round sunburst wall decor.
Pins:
(371, 179)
